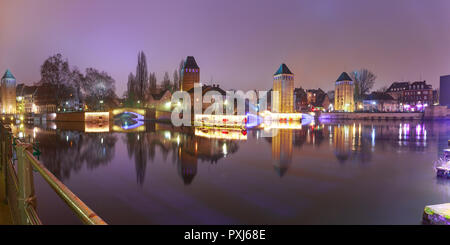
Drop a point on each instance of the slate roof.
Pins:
(8, 74)
(190, 63)
(398, 85)
(344, 77)
(424, 83)
(22, 89)
(158, 96)
(283, 70)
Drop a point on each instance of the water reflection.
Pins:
(67, 147)
(67, 151)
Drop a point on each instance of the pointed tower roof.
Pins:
(190, 63)
(344, 77)
(8, 74)
(283, 70)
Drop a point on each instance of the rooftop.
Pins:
(283, 70)
(344, 77)
(190, 63)
(8, 74)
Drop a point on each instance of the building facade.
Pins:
(344, 94)
(8, 93)
(283, 85)
(444, 91)
(380, 102)
(412, 96)
(25, 98)
(300, 100)
(190, 74)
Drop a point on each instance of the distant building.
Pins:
(300, 100)
(396, 90)
(160, 100)
(205, 89)
(444, 91)
(380, 102)
(317, 99)
(190, 74)
(283, 83)
(412, 96)
(8, 93)
(344, 94)
(25, 98)
(44, 98)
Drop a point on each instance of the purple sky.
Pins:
(238, 43)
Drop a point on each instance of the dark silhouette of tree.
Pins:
(364, 81)
(180, 73)
(56, 72)
(99, 90)
(176, 81)
(166, 84)
(141, 79)
(152, 82)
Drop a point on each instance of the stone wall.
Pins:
(437, 112)
(372, 116)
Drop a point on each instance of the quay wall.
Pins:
(437, 112)
(372, 115)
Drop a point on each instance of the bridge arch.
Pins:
(138, 112)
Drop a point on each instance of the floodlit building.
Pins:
(412, 96)
(8, 93)
(190, 74)
(283, 84)
(25, 98)
(343, 95)
(380, 102)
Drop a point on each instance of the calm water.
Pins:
(333, 173)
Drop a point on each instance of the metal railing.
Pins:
(19, 183)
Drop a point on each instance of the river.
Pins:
(368, 172)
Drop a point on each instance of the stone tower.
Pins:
(343, 94)
(283, 83)
(190, 74)
(8, 93)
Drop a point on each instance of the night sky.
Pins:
(237, 43)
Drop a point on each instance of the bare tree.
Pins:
(141, 79)
(176, 81)
(180, 72)
(166, 81)
(152, 82)
(99, 88)
(56, 72)
(364, 81)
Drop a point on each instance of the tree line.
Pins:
(143, 83)
(94, 88)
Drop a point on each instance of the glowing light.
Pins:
(90, 127)
(224, 149)
(96, 116)
(167, 135)
(219, 133)
(231, 121)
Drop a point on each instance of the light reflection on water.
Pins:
(370, 172)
